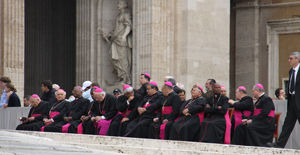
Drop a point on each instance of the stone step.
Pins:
(127, 145)
(146, 150)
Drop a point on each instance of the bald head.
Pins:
(216, 88)
(60, 95)
(34, 101)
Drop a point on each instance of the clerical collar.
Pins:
(296, 68)
(261, 95)
(217, 95)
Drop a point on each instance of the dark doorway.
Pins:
(50, 44)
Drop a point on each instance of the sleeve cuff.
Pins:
(103, 117)
(128, 102)
(52, 120)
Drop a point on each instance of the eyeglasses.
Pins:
(291, 58)
(116, 93)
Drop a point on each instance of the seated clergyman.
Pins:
(38, 111)
(259, 129)
(216, 127)
(147, 112)
(191, 116)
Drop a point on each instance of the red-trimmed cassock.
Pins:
(125, 108)
(243, 109)
(262, 128)
(187, 127)
(39, 113)
(57, 111)
(213, 128)
(139, 127)
(170, 112)
(76, 109)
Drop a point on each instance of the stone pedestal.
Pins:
(12, 24)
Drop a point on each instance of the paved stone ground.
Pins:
(23, 144)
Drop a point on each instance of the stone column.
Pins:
(186, 39)
(247, 44)
(12, 24)
(156, 39)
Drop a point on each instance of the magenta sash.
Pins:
(53, 114)
(104, 124)
(166, 110)
(80, 129)
(145, 106)
(65, 128)
(35, 115)
(201, 116)
(238, 116)
(258, 111)
(124, 113)
(228, 129)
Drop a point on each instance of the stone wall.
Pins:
(12, 24)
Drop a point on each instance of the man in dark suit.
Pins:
(293, 112)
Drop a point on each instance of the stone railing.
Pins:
(9, 120)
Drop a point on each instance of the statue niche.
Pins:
(120, 40)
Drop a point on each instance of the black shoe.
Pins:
(273, 145)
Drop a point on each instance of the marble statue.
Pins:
(120, 40)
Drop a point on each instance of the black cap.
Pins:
(117, 90)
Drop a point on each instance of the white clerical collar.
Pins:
(261, 95)
(296, 68)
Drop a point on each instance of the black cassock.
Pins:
(187, 127)
(88, 126)
(213, 126)
(75, 110)
(169, 111)
(88, 113)
(39, 113)
(108, 109)
(139, 127)
(242, 110)
(127, 109)
(57, 111)
(262, 128)
(142, 91)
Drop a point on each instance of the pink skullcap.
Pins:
(95, 87)
(222, 86)
(35, 96)
(168, 83)
(79, 87)
(126, 86)
(98, 90)
(147, 75)
(61, 90)
(259, 86)
(153, 83)
(242, 88)
(200, 87)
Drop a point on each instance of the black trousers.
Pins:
(292, 115)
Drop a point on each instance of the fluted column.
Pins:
(12, 42)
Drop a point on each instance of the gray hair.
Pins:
(296, 55)
(64, 93)
(128, 90)
(169, 77)
(54, 85)
(259, 89)
(78, 88)
(173, 81)
(102, 93)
